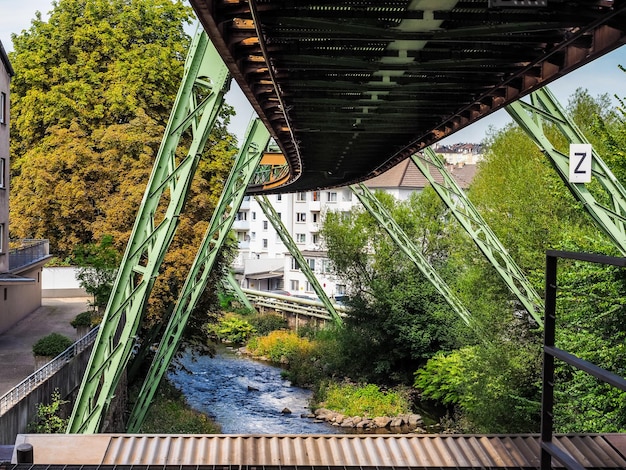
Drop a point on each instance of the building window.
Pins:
(332, 196)
(315, 238)
(311, 263)
(347, 195)
(341, 289)
(300, 237)
(1, 238)
(295, 284)
(3, 108)
(253, 215)
(316, 195)
(294, 265)
(265, 243)
(253, 236)
(242, 215)
(301, 217)
(265, 225)
(279, 197)
(301, 197)
(280, 217)
(325, 266)
(3, 165)
(308, 286)
(316, 217)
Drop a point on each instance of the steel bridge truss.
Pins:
(470, 219)
(221, 223)
(199, 99)
(278, 225)
(543, 106)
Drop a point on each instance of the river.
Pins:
(245, 396)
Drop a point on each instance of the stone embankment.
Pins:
(400, 423)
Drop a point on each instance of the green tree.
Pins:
(396, 319)
(93, 90)
(49, 418)
(97, 269)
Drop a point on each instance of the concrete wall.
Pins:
(67, 380)
(61, 282)
(19, 299)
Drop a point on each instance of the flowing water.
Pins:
(245, 396)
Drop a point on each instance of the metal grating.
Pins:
(350, 88)
(317, 451)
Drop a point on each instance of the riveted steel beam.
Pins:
(278, 225)
(222, 220)
(545, 107)
(384, 218)
(487, 241)
(205, 76)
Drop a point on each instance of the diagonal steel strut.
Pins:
(384, 218)
(545, 107)
(487, 241)
(285, 237)
(222, 220)
(205, 75)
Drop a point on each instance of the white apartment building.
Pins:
(264, 263)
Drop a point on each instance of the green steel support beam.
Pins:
(487, 241)
(205, 76)
(278, 225)
(384, 218)
(545, 107)
(231, 282)
(222, 220)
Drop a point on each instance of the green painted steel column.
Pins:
(487, 241)
(205, 75)
(545, 107)
(222, 220)
(384, 218)
(278, 225)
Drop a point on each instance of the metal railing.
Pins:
(29, 252)
(548, 448)
(292, 304)
(26, 386)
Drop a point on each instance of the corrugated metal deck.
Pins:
(320, 451)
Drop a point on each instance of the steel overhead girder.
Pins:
(247, 160)
(545, 107)
(204, 75)
(384, 218)
(278, 225)
(487, 241)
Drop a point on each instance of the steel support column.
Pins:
(487, 241)
(222, 220)
(278, 225)
(384, 218)
(545, 107)
(205, 76)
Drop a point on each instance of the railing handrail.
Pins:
(32, 250)
(287, 303)
(26, 386)
(551, 352)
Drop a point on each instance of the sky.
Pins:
(599, 77)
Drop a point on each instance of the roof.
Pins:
(5, 60)
(350, 88)
(406, 175)
(323, 451)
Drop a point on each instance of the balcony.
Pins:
(26, 252)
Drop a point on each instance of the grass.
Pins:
(366, 400)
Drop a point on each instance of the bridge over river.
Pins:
(347, 89)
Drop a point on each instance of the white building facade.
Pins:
(264, 262)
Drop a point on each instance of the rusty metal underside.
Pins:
(349, 88)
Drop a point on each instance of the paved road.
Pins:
(16, 356)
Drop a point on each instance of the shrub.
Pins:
(51, 345)
(231, 328)
(82, 319)
(280, 346)
(364, 400)
(267, 322)
(48, 419)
